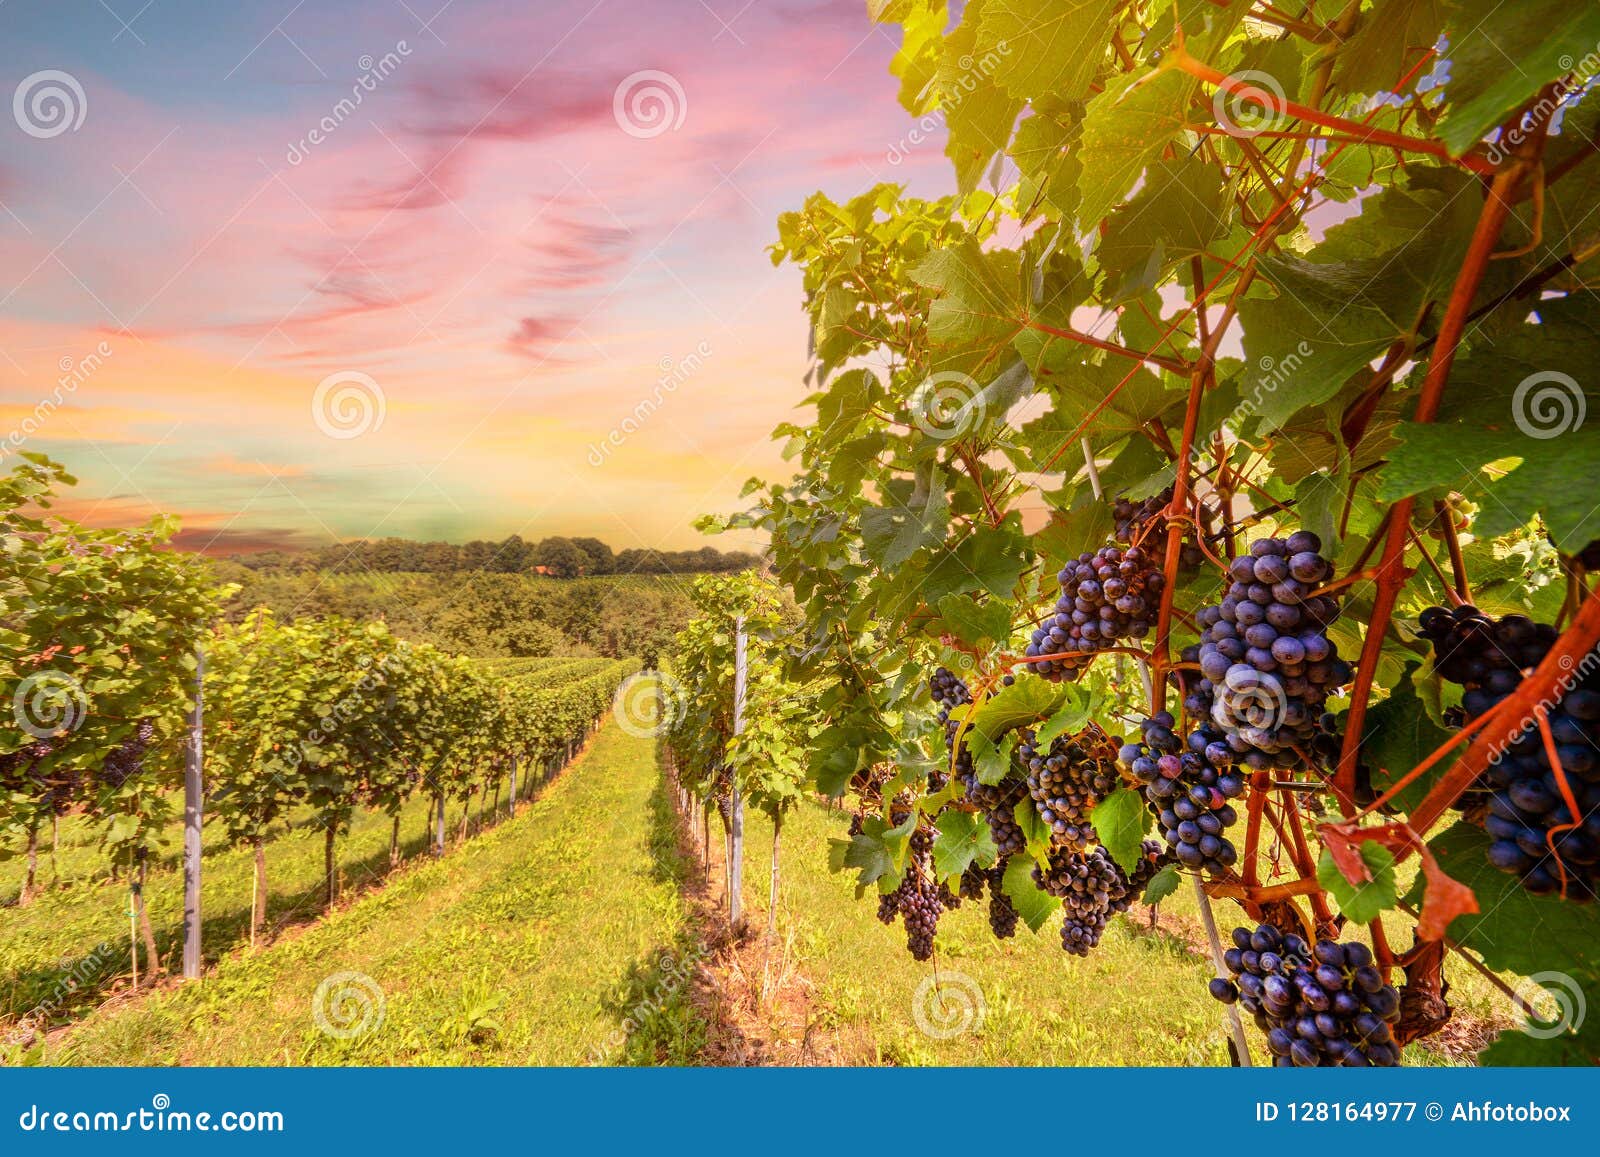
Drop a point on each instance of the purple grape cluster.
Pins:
(1267, 664)
(1093, 888)
(1068, 779)
(1003, 915)
(1111, 594)
(1145, 522)
(1321, 1005)
(1535, 834)
(919, 900)
(1188, 784)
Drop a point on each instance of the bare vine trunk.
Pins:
(28, 881)
(146, 932)
(330, 866)
(258, 891)
(772, 892)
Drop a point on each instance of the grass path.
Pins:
(552, 939)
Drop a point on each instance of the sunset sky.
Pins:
(485, 251)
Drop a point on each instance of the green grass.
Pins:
(78, 925)
(548, 938)
(1138, 999)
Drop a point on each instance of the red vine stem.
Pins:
(1391, 570)
(1173, 365)
(1365, 134)
(1507, 722)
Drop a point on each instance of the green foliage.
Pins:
(989, 364)
(766, 757)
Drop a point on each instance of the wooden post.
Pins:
(193, 814)
(772, 891)
(1235, 1025)
(736, 826)
(511, 801)
(438, 839)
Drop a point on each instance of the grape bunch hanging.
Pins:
(1107, 595)
(1542, 814)
(1320, 1005)
(1266, 661)
(1187, 782)
(1092, 888)
(1067, 779)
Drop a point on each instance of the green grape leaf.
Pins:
(1034, 906)
(962, 838)
(1046, 47)
(1025, 701)
(1163, 884)
(1073, 715)
(1400, 733)
(973, 622)
(1121, 820)
(1387, 42)
(1501, 55)
(979, 113)
(991, 761)
(1362, 902)
(1514, 930)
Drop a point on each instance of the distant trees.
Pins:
(560, 556)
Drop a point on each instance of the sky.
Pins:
(331, 269)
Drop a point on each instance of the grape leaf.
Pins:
(1028, 699)
(1163, 884)
(1046, 47)
(991, 761)
(1390, 39)
(1362, 902)
(973, 622)
(1516, 931)
(1125, 128)
(1074, 714)
(1502, 54)
(1399, 734)
(893, 533)
(1121, 820)
(962, 838)
(1034, 906)
(980, 114)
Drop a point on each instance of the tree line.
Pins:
(557, 556)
